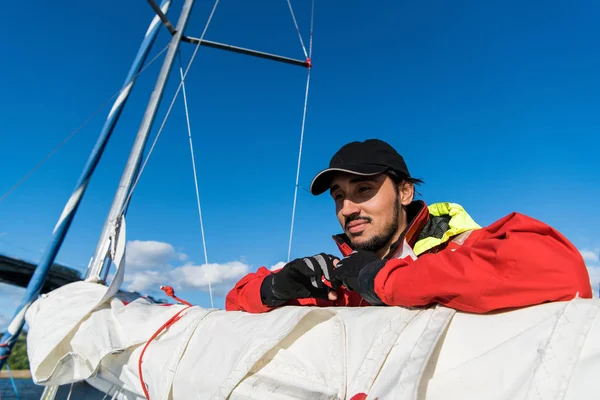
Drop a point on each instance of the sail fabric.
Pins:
(541, 352)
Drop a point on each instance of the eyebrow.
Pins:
(354, 180)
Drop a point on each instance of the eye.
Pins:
(363, 189)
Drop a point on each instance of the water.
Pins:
(30, 391)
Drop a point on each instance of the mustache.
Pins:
(355, 218)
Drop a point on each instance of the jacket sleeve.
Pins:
(515, 262)
(245, 295)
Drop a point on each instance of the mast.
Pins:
(96, 269)
(64, 222)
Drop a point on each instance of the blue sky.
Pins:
(494, 104)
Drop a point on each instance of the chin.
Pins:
(358, 239)
(354, 236)
(363, 236)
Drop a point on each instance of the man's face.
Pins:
(369, 209)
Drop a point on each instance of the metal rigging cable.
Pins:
(187, 118)
(312, 14)
(143, 166)
(126, 203)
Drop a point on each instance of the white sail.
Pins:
(541, 352)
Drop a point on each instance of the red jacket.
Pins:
(517, 261)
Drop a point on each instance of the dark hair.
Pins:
(398, 179)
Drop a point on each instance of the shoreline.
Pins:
(17, 374)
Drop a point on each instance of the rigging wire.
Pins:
(108, 392)
(139, 174)
(298, 168)
(72, 134)
(307, 55)
(312, 22)
(12, 381)
(312, 14)
(70, 390)
(187, 118)
(143, 166)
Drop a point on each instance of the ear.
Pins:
(407, 193)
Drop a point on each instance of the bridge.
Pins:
(18, 272)
(14, 271)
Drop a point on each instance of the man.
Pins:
(399, 252)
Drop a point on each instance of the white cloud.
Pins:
(595, 280)
(592, 261)
(144, 281)
(151, 265)
(151, 254)
(4, 320)
(221, 277)
(590, 256)
(10, 298)
(198, 276)
(279, 265)
(11, 293)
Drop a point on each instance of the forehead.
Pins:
(343, 178)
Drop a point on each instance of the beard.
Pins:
(377, 242)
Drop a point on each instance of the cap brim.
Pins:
(322, 181)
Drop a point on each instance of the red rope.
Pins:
(171, 293)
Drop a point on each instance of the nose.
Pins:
(349, 208)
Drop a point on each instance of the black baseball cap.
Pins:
(371, 157)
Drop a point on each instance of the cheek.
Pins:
(339, 215)
(380, 211)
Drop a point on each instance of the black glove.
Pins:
(298, 279)
(357, 273)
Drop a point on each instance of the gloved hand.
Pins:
(357, 272)
(347, 271)
(298, 279)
